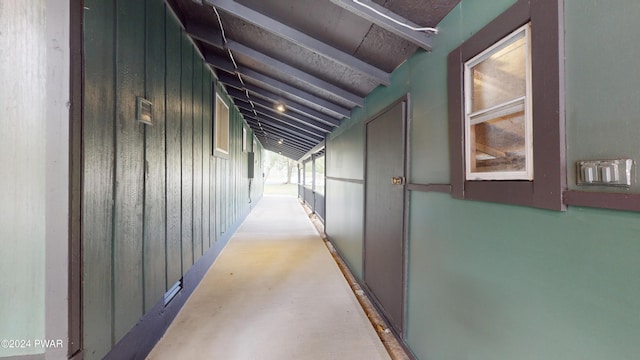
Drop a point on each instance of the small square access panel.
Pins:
(143, 110)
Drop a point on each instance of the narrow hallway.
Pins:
(275, 292)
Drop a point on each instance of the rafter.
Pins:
(346, 96)
(204, 33)
(293, 137)
(292, 123)
(228, 77)
(271, 146)
(269, 104)
(243, 102)
(294, 105)
(415, 37)
(281, 127)
(300, 38)
(219, 62)
(264, 96)
(226, 65)
(231, 80)
(266, 107)
(245, 71)
(286, 142)
(277, 117)
(237, 94)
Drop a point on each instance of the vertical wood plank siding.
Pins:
(206, 162)
(99, 158)
(197, 157)
(187, 154)
(129, 171)
(155, 276)
(174, 150)
(155, 200)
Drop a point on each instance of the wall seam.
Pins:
(193, 156)
(181, 120)
(166, 172)
(144, 160)
(115, 172)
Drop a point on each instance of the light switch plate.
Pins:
(616, 172)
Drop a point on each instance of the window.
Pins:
(221, 129)
(308, 174)
(506, 120)
(319, 175)
(244, 139)
(498, 141)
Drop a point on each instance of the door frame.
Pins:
(406, 123)
(75, 269)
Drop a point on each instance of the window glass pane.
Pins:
(308, 174)
(221, 126)
(499, 144)
(244, 139)
(501, 76)
(320, 175)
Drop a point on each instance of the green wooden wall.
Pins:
(491, 281)
(155, 200)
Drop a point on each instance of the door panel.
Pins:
(384, 213)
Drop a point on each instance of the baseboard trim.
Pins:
(141, 339)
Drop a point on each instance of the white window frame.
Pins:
(511, 106)
(218, 150)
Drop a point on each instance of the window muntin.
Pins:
(498, 117)
(221, 143)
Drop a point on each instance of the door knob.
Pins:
(397, 180)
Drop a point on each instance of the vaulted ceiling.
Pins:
(318, 58)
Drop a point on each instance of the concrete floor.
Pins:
(275, 292)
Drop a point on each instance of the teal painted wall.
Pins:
(155, 200)
(602, 82)
(490, 281)
(343, 224)
(520, 283)
(345, 173)
(344, 157)
(23, 121)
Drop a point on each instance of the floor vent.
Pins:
(172, 292)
